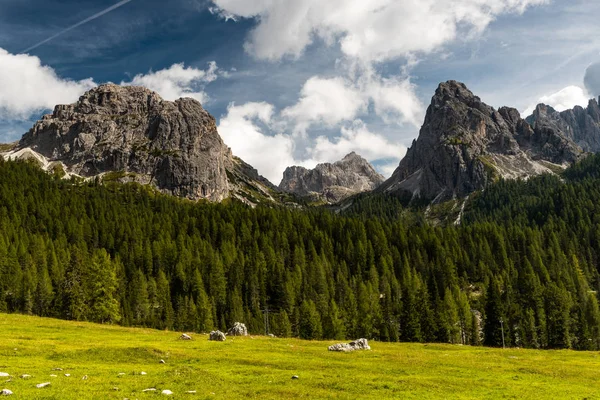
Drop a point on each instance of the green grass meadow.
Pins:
(261, 367)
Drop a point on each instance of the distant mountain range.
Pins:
(131, 134)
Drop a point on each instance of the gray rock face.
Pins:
(332, 182)
(359, 344)
(132, 131)
(217, 336)
(464, 144)
(580, 125)
(238, 329)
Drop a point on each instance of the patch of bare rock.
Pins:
(359, 344)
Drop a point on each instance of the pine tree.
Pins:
(310, 327)
(104, 306)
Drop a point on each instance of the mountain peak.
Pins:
(332, 182)
(129, 133)
(464, 143)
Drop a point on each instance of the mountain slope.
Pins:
(332, 182)
(464, 144)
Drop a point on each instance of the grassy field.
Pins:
(261, 367)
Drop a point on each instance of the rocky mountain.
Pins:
(464, 144)
(132, 134)
(332, 182)
(580, 125)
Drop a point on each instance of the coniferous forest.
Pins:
(524, 261)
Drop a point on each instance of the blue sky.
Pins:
(300, 81)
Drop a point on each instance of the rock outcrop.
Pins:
(359, 344)
(134, 134)
(238, 329)
(130, 134)
(217, 336)
(580, 125)
(332, 182)
(464, 144)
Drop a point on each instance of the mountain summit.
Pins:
(464, 144)
(130, 133)
(332, 182)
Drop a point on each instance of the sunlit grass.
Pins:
(261, 367)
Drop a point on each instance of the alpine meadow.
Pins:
(299, 199)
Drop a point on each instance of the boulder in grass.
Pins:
(43, 385)
(4, 374)
(185, 336)
(217, 336)
(5, 392)
(166, 392)
(359, 344)
(238, 329)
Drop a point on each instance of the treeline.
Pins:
(524, 261)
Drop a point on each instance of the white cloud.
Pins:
(178, 81)
(326, 101)
(374, 30)
(358, 138)
(395, 100)
(256, 134)
(246, 129)
(564, 99)
(28, 87)
(336, 100)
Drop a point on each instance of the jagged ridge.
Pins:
(464, 144)
(332, 182)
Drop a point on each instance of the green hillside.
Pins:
(262, 368)
(526, 253)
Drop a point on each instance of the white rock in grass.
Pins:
(67, 375)
(149, 390)
(143, 373)
(295, 377)
(120, 374)
(162, 362)
(191, 392)
(4, 374)
(166, 392)
(43, 385)
(57, 369)
(217, 336)
(185, 336)
(6, 392)
(238, 329)
(25, 376)
(84, 378)
(52, 376)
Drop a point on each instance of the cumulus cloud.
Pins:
(564, 99)
(28, 87)
(178, 81)
(592, 79)
(358, 138)
(247, 130)
(395, 100)
(336, 100)
(326, 101)
(256, 133)
(368, 33)
(374, 30)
